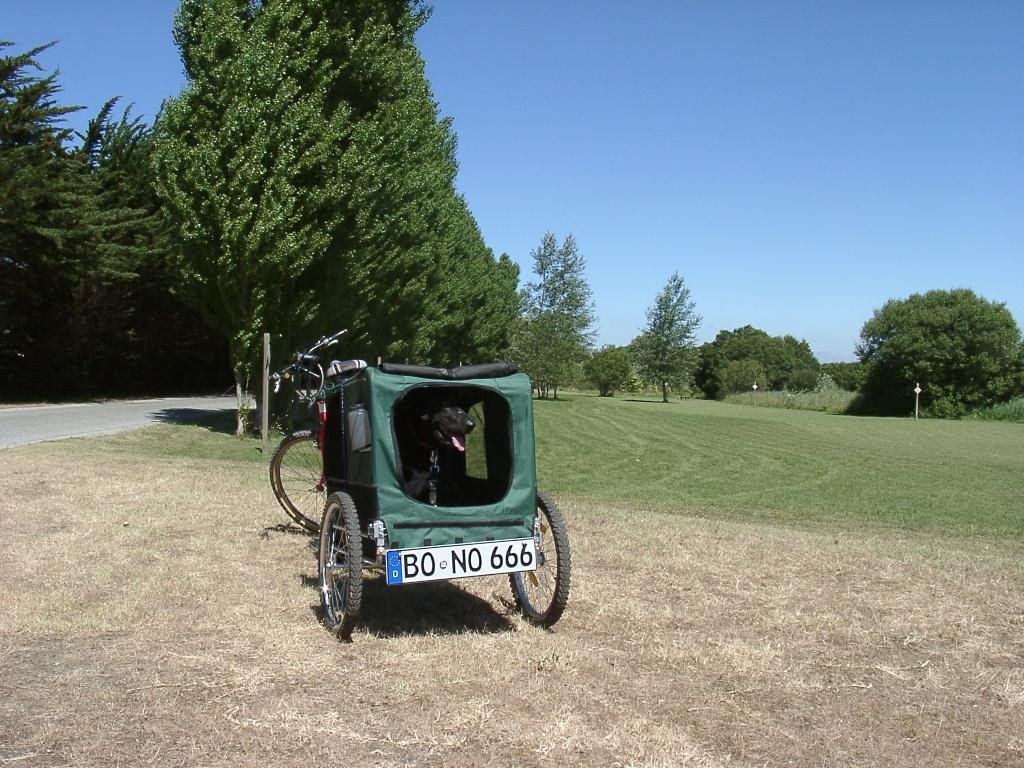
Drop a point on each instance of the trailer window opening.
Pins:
(472, 467)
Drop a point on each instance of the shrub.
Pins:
(608, 369)
(803, 380)
(1010, 411)
(742, 375)
(848, 376)
(835, 401)
(788, 364)
(825, 383)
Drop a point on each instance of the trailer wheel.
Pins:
(341, 565)
(543, 593)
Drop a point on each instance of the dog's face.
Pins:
(449, 426)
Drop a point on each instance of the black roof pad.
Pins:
(459, 373)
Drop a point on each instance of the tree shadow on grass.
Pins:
(435, 608)
(222, 420)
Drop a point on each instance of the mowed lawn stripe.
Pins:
(719, 459)
(926, 475)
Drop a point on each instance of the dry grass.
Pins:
(170, 620)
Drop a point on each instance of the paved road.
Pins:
(36, 424)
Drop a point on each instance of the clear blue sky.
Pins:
(797, 162)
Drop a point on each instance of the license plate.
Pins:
(457, 561)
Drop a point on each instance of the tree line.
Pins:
(966, 352)
(553, 335)
(304, 181)
(87, 305)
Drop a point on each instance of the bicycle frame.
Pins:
(321, 407)
(309, 380)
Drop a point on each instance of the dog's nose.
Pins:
(470, 425)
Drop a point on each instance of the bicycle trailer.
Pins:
(416, 499)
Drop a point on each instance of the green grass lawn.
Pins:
(721, 460)
(795, 466)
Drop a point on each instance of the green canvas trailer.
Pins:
(411, 514)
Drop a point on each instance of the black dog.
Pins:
(433, 461)
(446, 427)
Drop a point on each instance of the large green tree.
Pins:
(473, 299)
(310, 184)
(964, 350)
(786, 362)
(664, 351)
(554, 333)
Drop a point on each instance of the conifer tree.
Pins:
(84, 292)
(138, 335)
(40, 191)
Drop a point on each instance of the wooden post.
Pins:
(265, 409)
(917, 398)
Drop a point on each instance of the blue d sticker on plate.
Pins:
(394, 567)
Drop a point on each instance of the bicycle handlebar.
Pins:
(327, 341)
(309, 358)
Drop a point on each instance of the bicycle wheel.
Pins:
(542, 594)
(341, 565)
(296, 475)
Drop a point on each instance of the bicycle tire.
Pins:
(296, 475)
(541, 595)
